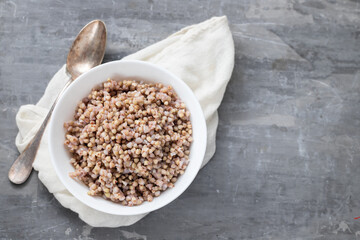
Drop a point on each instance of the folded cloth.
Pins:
(202, 55)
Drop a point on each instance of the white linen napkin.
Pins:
(202, 55)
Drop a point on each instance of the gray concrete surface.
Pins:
(288, 145)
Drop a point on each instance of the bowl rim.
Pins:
(201, 150)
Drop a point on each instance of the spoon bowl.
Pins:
(88, 49)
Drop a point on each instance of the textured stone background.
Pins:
(287, 160)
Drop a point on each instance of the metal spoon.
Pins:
(86, 52)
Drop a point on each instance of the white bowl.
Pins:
(80, 88)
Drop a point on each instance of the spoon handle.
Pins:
(22, 167)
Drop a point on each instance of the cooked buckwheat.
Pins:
(129, 140)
